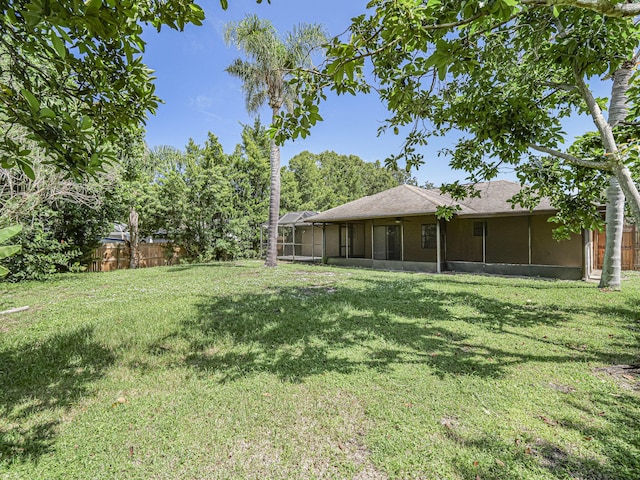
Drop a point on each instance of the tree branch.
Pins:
(571, 159)
(603, 7)
(559, 86)
(596, 113)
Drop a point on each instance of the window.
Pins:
(429, 235)
(479, 229)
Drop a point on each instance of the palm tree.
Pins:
(271, 62)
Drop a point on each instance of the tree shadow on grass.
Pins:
(39, 378)
(295, 332)
(614, 455)
(298, 332)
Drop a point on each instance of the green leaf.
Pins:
(34, 104)
(8, 232)
(86, 123)
(58, 45)
(93, 4)
(8, 250)
(3, 271)
(556, 12)
(224, 4)
(26, 168)
(46, 113)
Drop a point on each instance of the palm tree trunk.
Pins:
(274, 202)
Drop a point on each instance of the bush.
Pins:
(42, 254)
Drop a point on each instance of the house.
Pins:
(297, 238)
(397, 229)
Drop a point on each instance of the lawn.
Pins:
(237, 371)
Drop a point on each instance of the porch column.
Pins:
(324, 240)
(438, 248)
(587, 258)
(346, 236)
(293, 241)
(402, 239)
(484, 241)
(529, 227)
(313, 241)
(373, 223)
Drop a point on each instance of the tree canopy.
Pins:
(503, 73)
(72, 78)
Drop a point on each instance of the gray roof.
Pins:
(407, 200)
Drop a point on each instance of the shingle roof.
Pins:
(407, 200)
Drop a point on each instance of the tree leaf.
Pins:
(86, 123)
(34, 104)
(58, 45)
(46, 113)
(93, 4)
(8, 250)
(8, 232)
(26, 168)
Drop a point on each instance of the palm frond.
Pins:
(269, 60)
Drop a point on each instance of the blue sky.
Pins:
(200, 97)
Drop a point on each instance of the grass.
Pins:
(236, 371)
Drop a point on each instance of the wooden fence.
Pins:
(115, 256)
(630, 247)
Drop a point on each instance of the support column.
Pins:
(261, 227)
(529, 226)
(484, 241)
(438, 248)
(402, 239)
(587, 255)
(313, 241)
(324, 241)
(293, 242)
(373, 247)
(346, 236)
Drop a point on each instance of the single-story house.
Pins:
(120, 234)
(398, 230)
(297, 238)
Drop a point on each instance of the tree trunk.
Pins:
(274, 202)
(134, 239)
(621, 184)
(612, 264)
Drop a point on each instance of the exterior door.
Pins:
(387, 242)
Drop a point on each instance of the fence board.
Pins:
(630, 248)
(115, 256)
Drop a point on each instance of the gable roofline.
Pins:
(409, 200)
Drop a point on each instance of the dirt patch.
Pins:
(627, 376)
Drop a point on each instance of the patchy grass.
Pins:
(237, 371)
